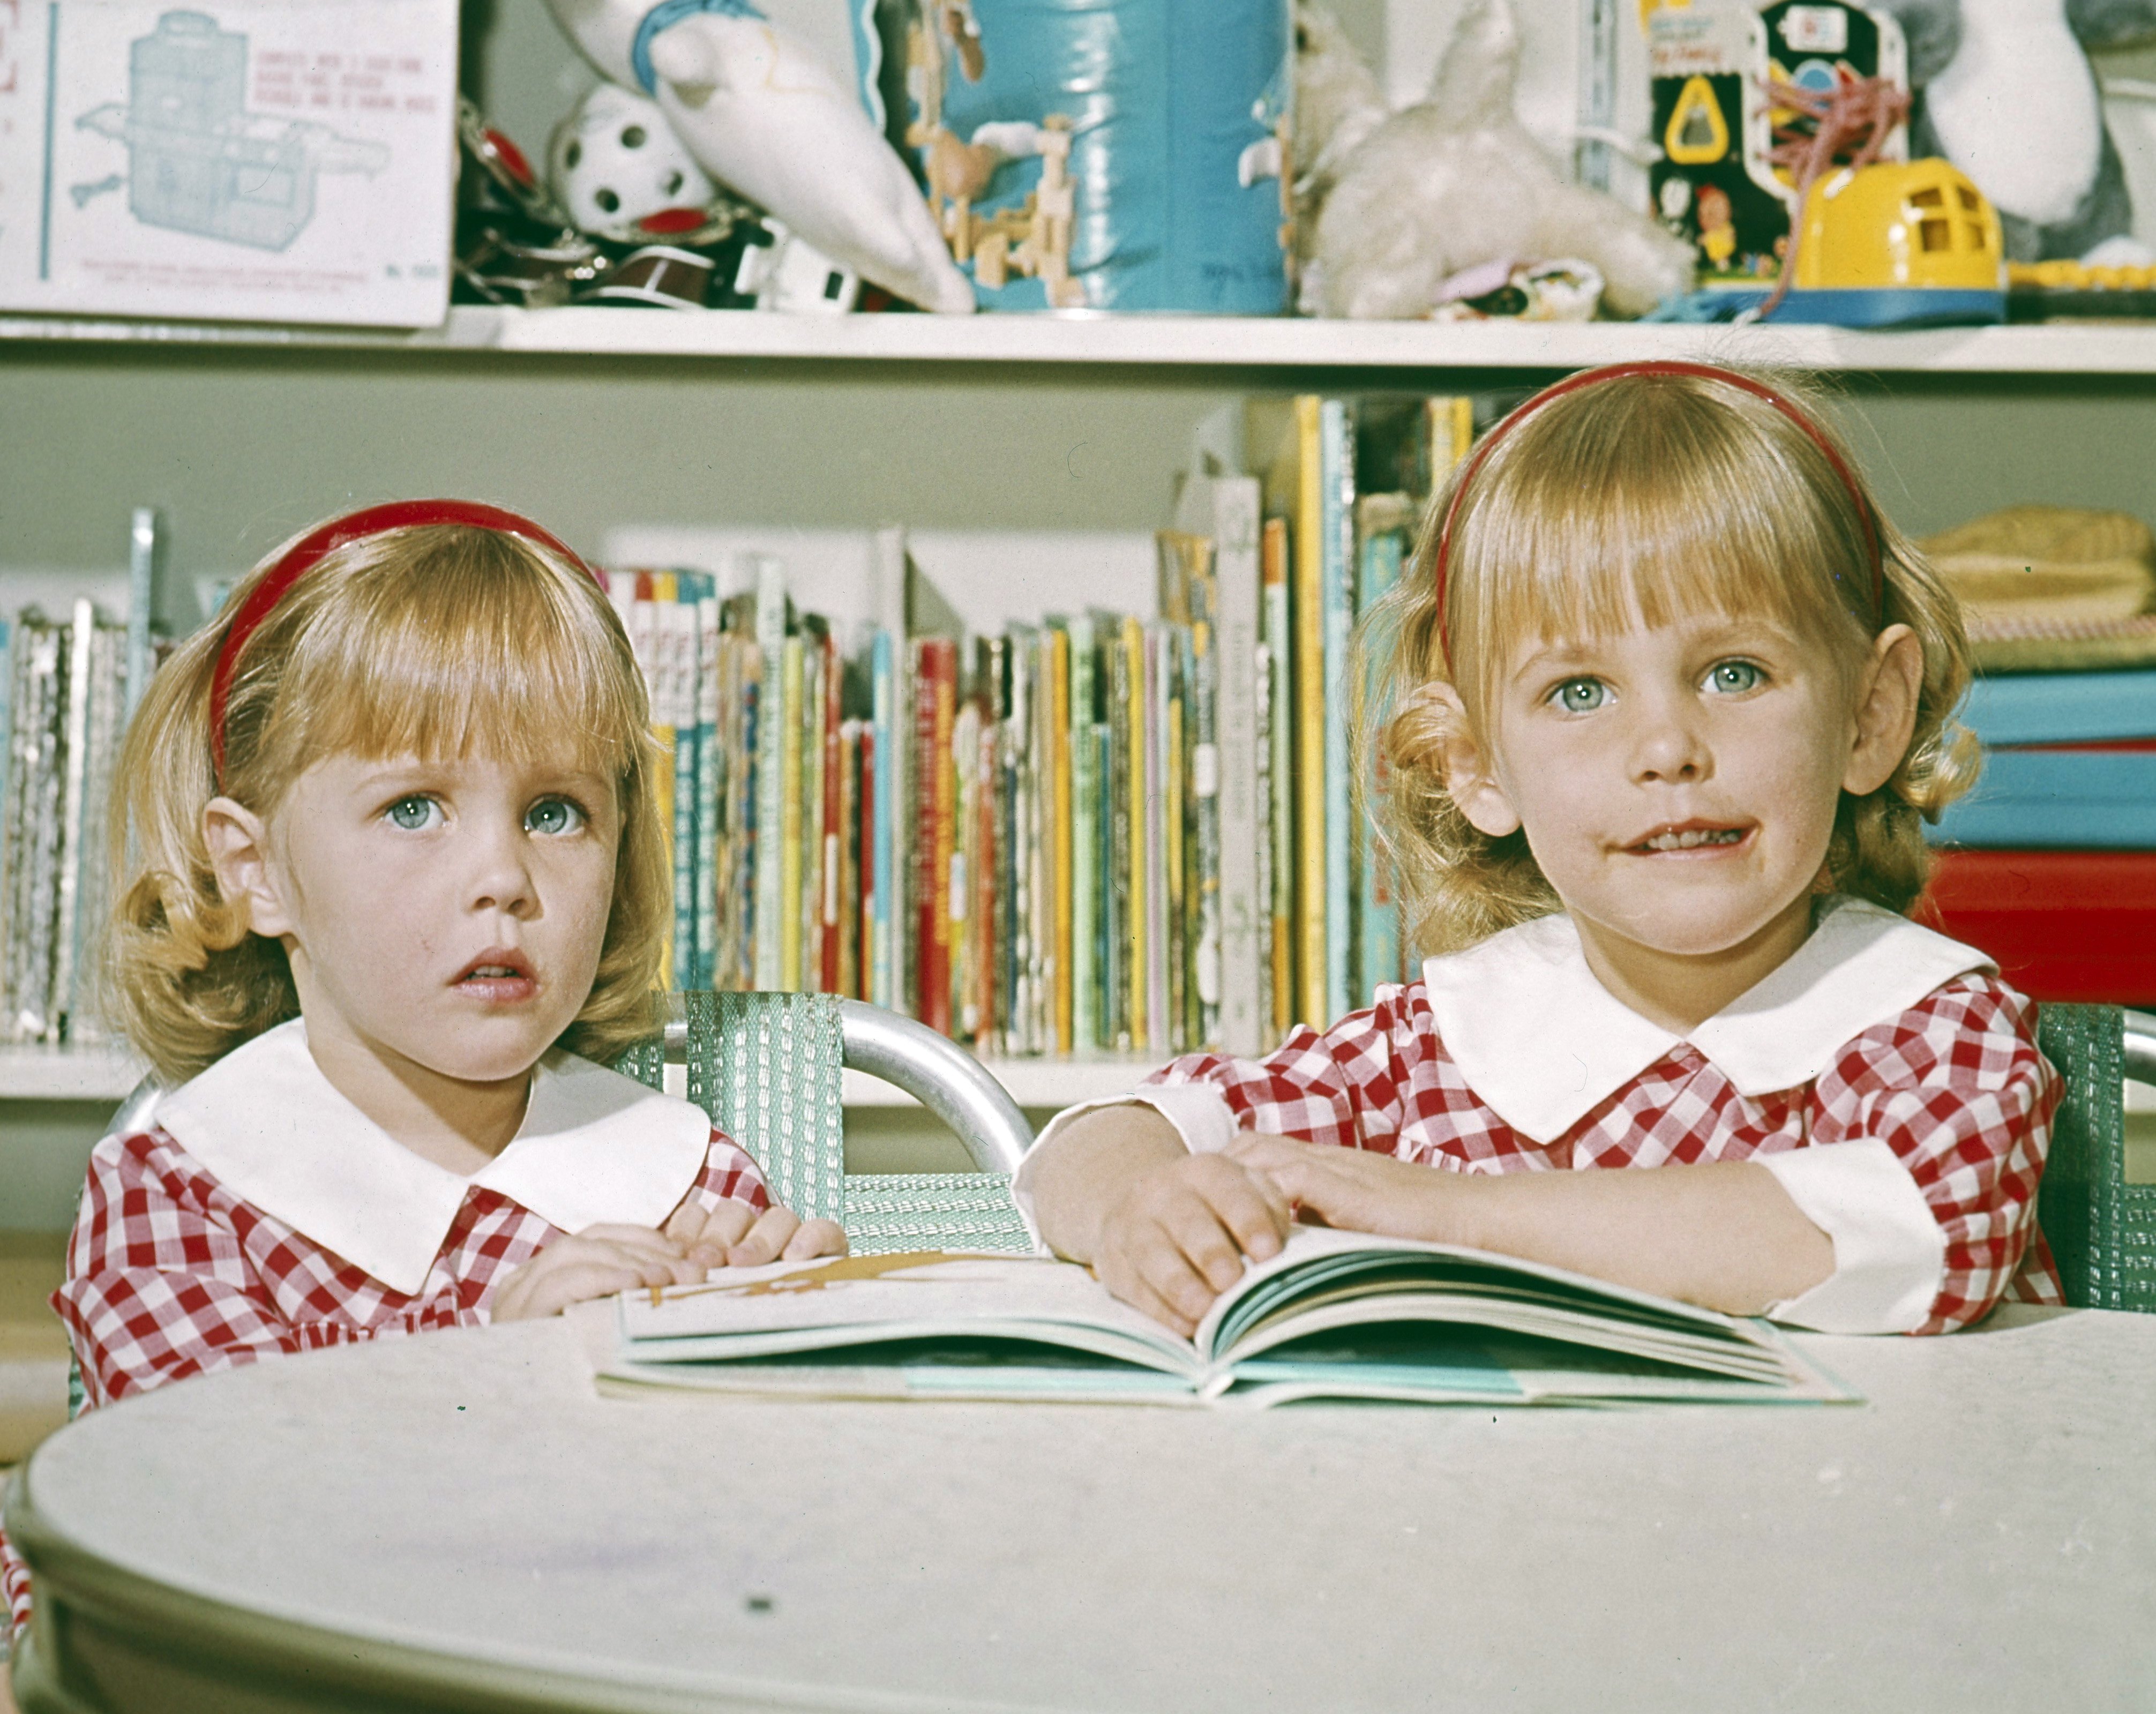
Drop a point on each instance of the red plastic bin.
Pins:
(2062, 925)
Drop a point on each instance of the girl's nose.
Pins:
(500, 877)
(1669, 747)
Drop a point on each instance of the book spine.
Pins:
(141, 602)
(1205, 797)
(934, 675)
(676, 612)
(34, 824)
(880, 780)
(1337, 466)
(1264, 980)
(1175, 852)
(81, 640)
(846, 866)
(1084, 1025)
(771, 773)
(968, 778)
(1238, 812)
(1063, 847)
(834, 841)
(754, 840)
(1281, 764)
(1308, 606)
(1136, 876)
(1379, 940)
(875, 895)
(805, 708)
(1120, 937)
(1160, 1028)
(789, 851)
(710, 778)
(1047, 878)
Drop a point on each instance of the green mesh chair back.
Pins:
(2102, 1229)
(767, 1068)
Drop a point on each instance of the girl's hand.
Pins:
(735, 1235)
(596, 1262)
(1353, 1188)
(1176, 1238)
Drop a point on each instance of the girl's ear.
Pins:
(239, 854)
(1469, 780)
(1887, 693)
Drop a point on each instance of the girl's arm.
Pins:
(1154, 1205)
(1721, 1234)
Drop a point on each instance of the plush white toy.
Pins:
(1455, 181)
(761, 113)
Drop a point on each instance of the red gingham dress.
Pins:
(169, 1275)
(1954, 1085)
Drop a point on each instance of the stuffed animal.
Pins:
(2005, 91)
(759, 112)
(1455, 181)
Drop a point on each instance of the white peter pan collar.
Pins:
(594, 1146)
(1540, 1039)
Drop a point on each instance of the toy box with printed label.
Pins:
(1713, 63)
(252, 159)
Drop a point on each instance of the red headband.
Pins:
(308, 552)
(1587, 377)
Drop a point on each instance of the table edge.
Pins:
(84, 1600)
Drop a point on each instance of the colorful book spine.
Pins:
(1085, 817)
(1337, 516)
(1239, 809)
(1063, 846)
(1281, 752)
(1308, 606)
(789, 815)
(771, 892)
(831, 840)
(1382, 551)
(881, 866)
(710, 775)
(1264, 980)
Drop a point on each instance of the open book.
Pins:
(1337, 1315)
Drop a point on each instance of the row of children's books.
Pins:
(1104, 831)
(66, 704)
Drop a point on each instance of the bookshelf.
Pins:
(596, 419)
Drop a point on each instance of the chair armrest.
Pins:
(942, 1076)
(2140, 1047)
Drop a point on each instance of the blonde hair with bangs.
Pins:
(1636, 499)
(434, 640)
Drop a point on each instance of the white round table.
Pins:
(458, 1521)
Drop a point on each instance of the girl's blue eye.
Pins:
(414, 813)
(553, 815)
(1580, 695)
(1734, 678)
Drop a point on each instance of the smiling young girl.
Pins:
(397, 881)
(1670, 702)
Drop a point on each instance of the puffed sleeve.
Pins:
(1926, 1148)
(729, 1175)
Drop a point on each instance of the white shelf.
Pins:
(105, 1073)
(1165, 341)
(67, 1074)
